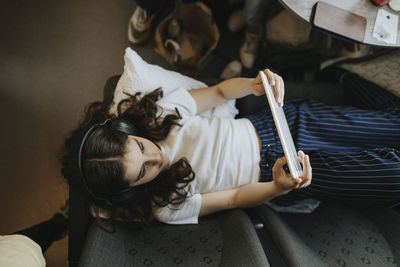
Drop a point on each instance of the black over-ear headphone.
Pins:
(125, 196)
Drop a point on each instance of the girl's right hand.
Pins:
(276, 83)
(284, 182)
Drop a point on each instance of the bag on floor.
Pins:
(187, 36)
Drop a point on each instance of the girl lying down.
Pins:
(174, 166)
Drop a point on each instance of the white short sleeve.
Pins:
(187, 213)
(180, 99)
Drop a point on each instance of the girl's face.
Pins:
(143, 160)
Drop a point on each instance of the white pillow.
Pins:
(140, 76)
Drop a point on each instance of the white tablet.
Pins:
(283, 130)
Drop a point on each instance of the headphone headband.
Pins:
(119, 125)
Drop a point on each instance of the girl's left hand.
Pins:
(276, 83)
(284, 181)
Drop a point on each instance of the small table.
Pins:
(365, 8)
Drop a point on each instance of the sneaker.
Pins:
(248, 51)
(233, 69)
(140, 26)
(236, 21)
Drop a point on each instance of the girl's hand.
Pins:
(284, 182)
(276, 83)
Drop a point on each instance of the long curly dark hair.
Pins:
(103, 152)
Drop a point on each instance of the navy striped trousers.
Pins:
(354, 151)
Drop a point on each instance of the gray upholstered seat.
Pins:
(225, 239)
(335, 235)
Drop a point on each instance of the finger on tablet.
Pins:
(270, 76)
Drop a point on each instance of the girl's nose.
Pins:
(153, 158)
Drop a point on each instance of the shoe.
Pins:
(233, 69)
(248, 51)
(236, 21)
(140, 26)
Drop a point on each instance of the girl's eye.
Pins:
(141, 147)
(143, 172)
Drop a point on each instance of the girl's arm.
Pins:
(213, 96)
(255, 194)
(246, 196)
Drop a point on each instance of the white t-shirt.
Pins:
(224, 154)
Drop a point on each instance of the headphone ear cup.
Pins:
(124, 198)
(124, 126)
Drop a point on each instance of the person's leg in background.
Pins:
(140, 24)
(251, 17)
(26, 247)
(255, 14)
(46, 232)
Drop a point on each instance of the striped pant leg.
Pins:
(367, 95)
(317, 126)
(369, 177)
(351, 152)
(351, 149)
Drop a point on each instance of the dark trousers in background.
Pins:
(45, 233)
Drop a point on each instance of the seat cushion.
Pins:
(383, 70)
(157, 245)
(225, 239)
(241, 245)
(332, 235)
